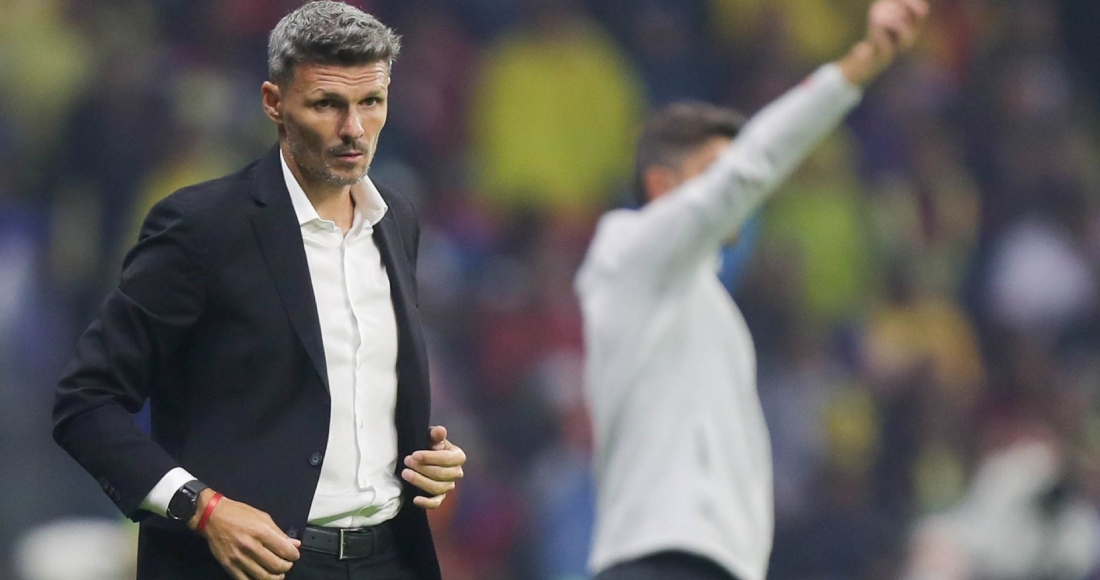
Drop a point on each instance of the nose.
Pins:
(352, 126)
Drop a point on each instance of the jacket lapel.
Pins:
(402, 290)
(280, 237)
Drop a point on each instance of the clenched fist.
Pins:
(892, 29)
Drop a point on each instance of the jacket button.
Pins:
(315, 459)
(292, 532)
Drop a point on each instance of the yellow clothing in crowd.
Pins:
(819, 30)
(554, 119)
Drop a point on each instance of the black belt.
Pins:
(347, 543)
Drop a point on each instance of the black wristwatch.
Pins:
(185, 503)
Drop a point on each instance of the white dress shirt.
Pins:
(683, 460)
(357, 486)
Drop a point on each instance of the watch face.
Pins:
(183, 504)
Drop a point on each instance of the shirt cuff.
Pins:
(161, 494)
(832, 76)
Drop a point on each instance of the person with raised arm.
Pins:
(682, 461)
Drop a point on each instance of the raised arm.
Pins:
(689, 224)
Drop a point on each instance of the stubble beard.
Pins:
(320, 173)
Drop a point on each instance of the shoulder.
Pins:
(613, 229)
(605, 250)
(212, 198)
(617, 219)
(203, 216)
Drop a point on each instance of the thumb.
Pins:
(438, 436)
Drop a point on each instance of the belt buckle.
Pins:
(341, 556)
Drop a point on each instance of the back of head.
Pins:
(329, 33)
(675, 132)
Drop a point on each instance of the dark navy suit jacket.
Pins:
(215, 323)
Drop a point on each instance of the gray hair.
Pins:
(330, 33)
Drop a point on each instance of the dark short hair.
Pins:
(330, 33)
(676, 131)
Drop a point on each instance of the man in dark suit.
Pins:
(270, 318)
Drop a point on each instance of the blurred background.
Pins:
(923, 293)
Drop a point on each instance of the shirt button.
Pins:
(292, 532)
(315, 458)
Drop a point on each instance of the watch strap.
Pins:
(187, 494)
(196, 487)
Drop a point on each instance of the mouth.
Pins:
(351, 156)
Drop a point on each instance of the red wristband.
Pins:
(209, 510)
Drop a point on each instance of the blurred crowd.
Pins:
(923, 293)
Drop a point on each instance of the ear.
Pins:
(272, 101)
(658, 180)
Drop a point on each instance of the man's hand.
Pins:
(245, 540)
(892, 29)
(435, 470)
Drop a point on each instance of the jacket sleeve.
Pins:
(141, 323)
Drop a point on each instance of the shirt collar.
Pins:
(369, 204)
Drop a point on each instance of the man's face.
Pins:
(330, 117)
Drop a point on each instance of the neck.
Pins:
(333, 203)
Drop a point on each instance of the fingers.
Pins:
(918, 8)
(909, 11)
(248, 544)
(436, 472)
(432, 486)
(256, 561)
(253, 570)
(898, 22)
(265, 558)
(253, 562)
(888, 19)
(915, 13)
(281, 545)
(438, 435)
(440, 466)
(452, 456)
(429, 503)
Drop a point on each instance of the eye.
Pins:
(322, 105)
(373, 101)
